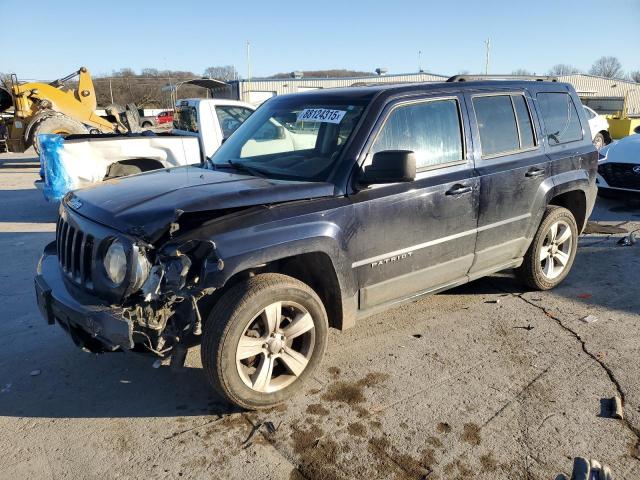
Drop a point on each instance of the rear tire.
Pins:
(251, 359)
(60, 124)
(552, 251)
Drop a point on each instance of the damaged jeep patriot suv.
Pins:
(322, 208)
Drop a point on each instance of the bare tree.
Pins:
(560, 69)
(635, 76)
(609, 67)
(225, 73)
(5, 80)
(521, 71)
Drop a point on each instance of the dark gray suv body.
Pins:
(322, 208)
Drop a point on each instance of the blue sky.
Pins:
(310, 35)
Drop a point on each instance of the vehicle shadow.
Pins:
(26, 206)
(115, 385)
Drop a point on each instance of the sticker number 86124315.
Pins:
(326, 115)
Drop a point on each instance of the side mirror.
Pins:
(390, 166)
(637, 129)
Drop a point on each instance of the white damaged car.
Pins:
(619, 165)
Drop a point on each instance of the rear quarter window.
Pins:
(186, 118)
(560, 118)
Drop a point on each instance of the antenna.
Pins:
(488, 48)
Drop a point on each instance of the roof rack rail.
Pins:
(474, 78)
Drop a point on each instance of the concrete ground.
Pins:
(485, 381)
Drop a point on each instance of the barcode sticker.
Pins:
(325, 115)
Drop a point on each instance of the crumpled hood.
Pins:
(146, 204)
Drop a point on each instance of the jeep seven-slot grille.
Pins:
(74, 250)
(620, 175)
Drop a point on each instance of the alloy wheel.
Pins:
(555, 252)
(275, 347)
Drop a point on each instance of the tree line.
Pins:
(607, 66)
(149, 88)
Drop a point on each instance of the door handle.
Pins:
(535, 173)
(458, 189)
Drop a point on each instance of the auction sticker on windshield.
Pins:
(326, 115)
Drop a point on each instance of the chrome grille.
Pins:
(75, 249)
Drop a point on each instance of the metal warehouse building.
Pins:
(605, 95)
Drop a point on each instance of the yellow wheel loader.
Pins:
(52, 108)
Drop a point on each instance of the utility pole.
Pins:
(110, 90)
(488, 48)
(419, 61)
(248, 61)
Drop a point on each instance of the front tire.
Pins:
(552, 251)
(60, 124)
(263, 339)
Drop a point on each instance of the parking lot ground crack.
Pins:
(610, 374)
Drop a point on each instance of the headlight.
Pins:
(141, 268)
(115, 262)
(116, 266)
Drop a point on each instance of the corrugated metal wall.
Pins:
(257, 91)
(592, 86)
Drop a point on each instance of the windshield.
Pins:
(294, 139)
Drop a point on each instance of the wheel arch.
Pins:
(315, 268)
(576, 202)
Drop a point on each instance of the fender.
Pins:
(240, 251)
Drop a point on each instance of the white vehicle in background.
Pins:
(200, 127)
(599, 128)
(619, 165)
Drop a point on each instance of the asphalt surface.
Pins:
(485, 381)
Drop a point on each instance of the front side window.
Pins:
(431, 130)
(291, 139)
(231, 117)
(560, 117)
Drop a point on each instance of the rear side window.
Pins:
(497, 124)
(560, 117)
(431, 130)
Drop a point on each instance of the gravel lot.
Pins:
(485, 381)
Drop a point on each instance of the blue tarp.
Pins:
(57, 181)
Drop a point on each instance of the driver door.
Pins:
(418, 236)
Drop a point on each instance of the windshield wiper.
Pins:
(240, 166)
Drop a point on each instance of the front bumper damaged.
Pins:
(92, 326)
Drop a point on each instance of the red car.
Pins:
(165, 117)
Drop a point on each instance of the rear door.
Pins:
(514, 173)
(417, 236)
(565, 134)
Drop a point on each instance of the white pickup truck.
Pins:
(199, 128)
